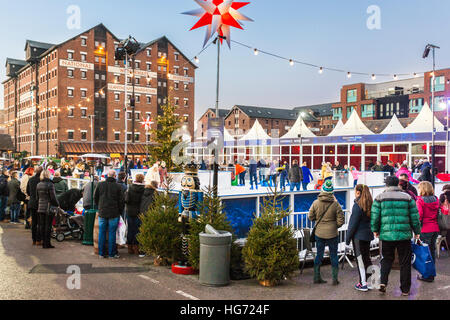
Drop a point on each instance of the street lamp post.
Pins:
(32, 117)
(92, 132)
(216, 154)
(447, 105)
(428, 48)
(126, 117)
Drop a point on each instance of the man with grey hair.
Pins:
(108, 197)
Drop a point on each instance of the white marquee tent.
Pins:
(299, 127)
(423, 122)
(353, 126)
(338, 126)
(256, 133)
(394, 127)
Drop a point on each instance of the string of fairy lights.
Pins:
(322, 68)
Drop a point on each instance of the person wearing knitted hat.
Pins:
(329, 217)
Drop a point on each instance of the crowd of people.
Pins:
(40, 192)
(281, 174)
(396, 216)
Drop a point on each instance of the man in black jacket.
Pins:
(108, 197)
(4, 193)
(405, 177)
(389, 168)
(295, 176)
(33, 206)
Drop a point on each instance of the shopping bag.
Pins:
(422, 260)
(443, 221)
(121, 234)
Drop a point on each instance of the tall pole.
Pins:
(32, 126)
(92, 133)
(126, 116)
(133, 105)
(433, 86)
(46, 115)
(446, 140)
(216, 156)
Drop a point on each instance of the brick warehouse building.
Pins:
(240, 119)
(79, 78)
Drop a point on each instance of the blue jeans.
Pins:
(14, 209)
(134, 223)
(282, 182)
(333, 245)
(305, 185)
(3, 202)
(295, 185)
(242, 178)
(99, 172)
(253, 178)
(110, 225)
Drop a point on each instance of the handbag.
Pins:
(51, 210)
(443, 221)
(422, 260)
(312, 237)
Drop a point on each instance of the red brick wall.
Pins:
(57, 100)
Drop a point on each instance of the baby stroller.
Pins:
(67, 225)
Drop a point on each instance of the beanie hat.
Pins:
(328, 186)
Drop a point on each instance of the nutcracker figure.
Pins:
(189, 200)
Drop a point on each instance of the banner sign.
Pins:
(76, 64)
(141, 90)
(174, 77)
(141, 73)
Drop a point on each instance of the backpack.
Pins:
(4, 191)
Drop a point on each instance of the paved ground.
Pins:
(29, 272)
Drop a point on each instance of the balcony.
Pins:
(396, 92)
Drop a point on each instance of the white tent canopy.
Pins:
(298, 128)
(353, 126)
(227, 136)
(394, 126)
(338, 126)
(256, 133)
(423, 122)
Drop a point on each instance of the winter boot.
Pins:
(130, 249)
(334, 273)
(136, 249)
(317, 277)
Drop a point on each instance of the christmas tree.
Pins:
(159, 234)
(168, 123)
(270, 253)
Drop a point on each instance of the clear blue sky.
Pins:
(328, 32)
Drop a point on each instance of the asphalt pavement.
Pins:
(30, 272)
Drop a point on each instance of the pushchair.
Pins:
(67, 225)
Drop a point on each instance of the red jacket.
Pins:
(428, 210)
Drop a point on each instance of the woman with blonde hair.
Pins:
(360, 234)
(428, 207)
